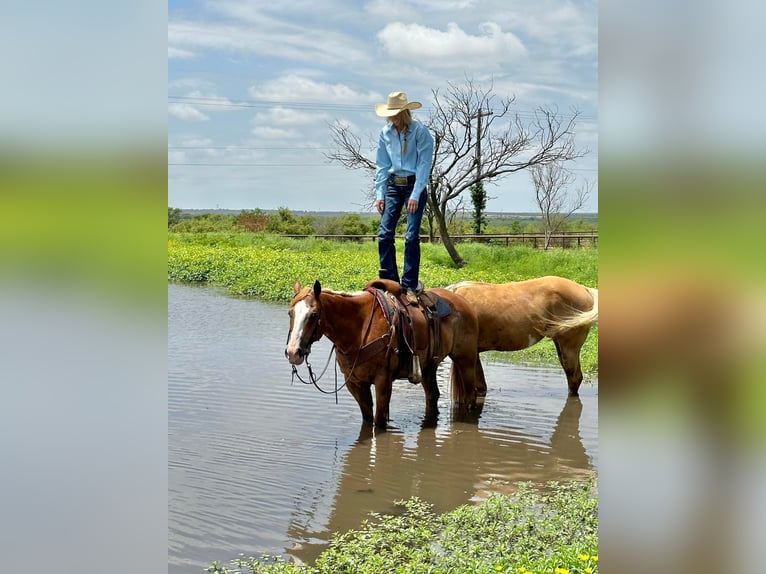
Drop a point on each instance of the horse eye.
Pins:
(314, 315)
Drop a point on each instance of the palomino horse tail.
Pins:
(559, 325)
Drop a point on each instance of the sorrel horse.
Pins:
(514, 316)
(368, 347)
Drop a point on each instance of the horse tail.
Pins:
(557, 325)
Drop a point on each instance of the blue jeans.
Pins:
(396, 198)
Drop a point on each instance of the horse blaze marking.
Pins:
(300, 316)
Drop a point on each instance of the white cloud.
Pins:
(452, 47)
(270, 133)
(298, 88)
(413, 9)
(186, 112)
(215, 101)
(288, 117)
(284, 42)
(180, 54)
(196, 142)
(187, 83)
(564, 28)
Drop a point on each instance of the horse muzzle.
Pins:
(296, 355)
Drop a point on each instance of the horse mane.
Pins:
(455, 286)
(342, 293)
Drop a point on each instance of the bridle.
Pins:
(305, 352)
(315, 336)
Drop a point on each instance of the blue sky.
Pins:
(254, 86)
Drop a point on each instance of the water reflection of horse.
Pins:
(514, 316)
(367, 341)
(446, 467)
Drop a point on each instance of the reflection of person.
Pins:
(404, 159)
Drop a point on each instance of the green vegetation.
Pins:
(537, 530)
(284, 222)
(479, 202)
(266, 266)
(552, 530)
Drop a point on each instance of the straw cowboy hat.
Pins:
(397, 101)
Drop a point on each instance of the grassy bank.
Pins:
(551, 532)
(266, 266)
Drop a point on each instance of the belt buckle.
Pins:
(400, 180)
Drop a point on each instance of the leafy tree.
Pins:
(479, 202)
(206, 223)
(286, 223)
(352, 224)
(252, 220)
(174, 216)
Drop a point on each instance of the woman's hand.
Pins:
(379, 204)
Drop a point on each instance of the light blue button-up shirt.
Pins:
(416, 160)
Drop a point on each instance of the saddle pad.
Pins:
(432, 301)
(442, 307)
(385, 304)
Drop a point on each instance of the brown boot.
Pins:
(412, 298)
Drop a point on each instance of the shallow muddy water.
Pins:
(259, 464)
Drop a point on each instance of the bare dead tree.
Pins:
(476, 139)
(551, 182)
(348, 152)
(507, 142)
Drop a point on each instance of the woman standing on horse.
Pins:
(403, 166)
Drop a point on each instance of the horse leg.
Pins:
(481, 381)
(457, 383)
(431, 390)
(382, 400)
(361, 392)
(464, 380)
(568, 347)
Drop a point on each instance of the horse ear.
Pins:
(297, 287)
(317, 288)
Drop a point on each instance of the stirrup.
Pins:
(411, 297)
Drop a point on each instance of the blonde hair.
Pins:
(406, 116)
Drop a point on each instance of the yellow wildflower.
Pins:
(595, 558)
(561, 571)
(584, 557)
(588, 570)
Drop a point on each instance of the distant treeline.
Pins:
(285, 222)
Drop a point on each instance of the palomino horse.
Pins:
(514, 316)
(367, 343)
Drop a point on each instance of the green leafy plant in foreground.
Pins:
(550, 530)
